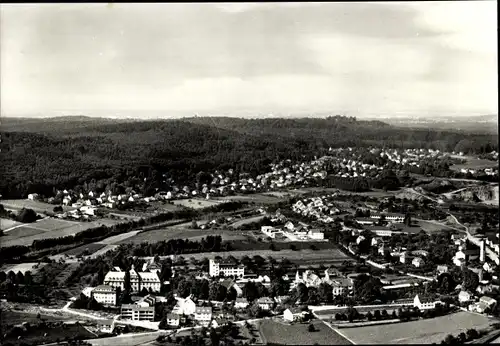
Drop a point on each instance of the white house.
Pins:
(270, 231)
(484, 304)
(316, 234)
(241, 303)
(265, 303)
(173, 320)
(360, 239)
(289, 225)
(417, 262)
(33, 196)
(424, 304)
(184, 306)
(106, 326)
(341, 285)
(464, 297)
(293, 314)
(105, 295)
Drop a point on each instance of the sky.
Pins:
(153, 60)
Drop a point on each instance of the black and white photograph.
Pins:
(266, 173)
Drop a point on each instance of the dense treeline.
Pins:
(119, 155)
(181, 246)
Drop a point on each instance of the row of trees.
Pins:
(25, 215)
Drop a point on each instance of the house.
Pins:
(490, 302)
(289, 225)
(146, 301)
(484, 305)
(383, 249)
(423, 303)
(33, 196)
(301, 232)
(442, 269)
(341, 285)
(106, 326)
(225, 267)
(105, 295)
(265, 303)
(316, 234)
(173, 320)
(203, 315)
(405, 257)
(360, 239)
(331, 273)
(293, 314)
(377, 241)
(228, 284)
(87, 291)
(241, 303)
(417, 262)
(464, 297)
(270, 231)
(184, 306)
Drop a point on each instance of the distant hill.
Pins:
(474, 124)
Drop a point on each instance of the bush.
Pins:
(311, 328)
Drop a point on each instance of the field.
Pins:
(88, 248)
(127, 340)
(17, 317)
(474, 163)
(8, 223)
(196, 203)
(240, 223)
(21, 267)
(37, 206)
(48, 228)
(297, 334)
(258, 198)
(182, 233)
(46, 334)
(418, 332)
(432, 227)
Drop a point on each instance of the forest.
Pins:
(45, 155)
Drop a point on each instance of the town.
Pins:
(376, 255)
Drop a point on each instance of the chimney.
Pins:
(481, 254)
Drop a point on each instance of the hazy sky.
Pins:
(352, 58)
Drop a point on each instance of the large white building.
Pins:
(226, 268)
(138, 280)
(142, 310)
(105, 295)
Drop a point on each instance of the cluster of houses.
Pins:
(299, 232)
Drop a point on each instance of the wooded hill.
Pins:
(39, 155)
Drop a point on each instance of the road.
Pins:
(476, 241)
